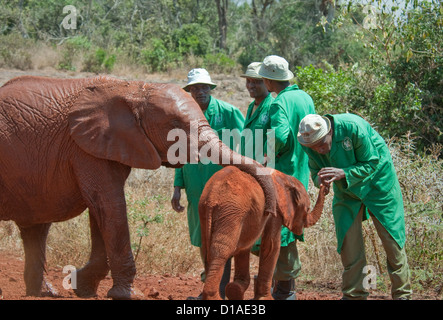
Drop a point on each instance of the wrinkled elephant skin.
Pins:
(232, 218)
(69, 144)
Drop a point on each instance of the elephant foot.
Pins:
(235, 291)
(48, 290)
(124, 293)
(88, 279)
(86, 288)
(86, 292)
(120, 293)
(45, 290)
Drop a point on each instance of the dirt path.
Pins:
(147, 287)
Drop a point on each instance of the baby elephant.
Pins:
(232, 218)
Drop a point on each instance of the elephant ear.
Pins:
(293, 202)
(103, 124)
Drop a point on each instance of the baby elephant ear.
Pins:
(104, 125)
(292, 202)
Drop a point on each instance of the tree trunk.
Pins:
(258, 17)
(222, 9)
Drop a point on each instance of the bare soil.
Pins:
(146, 287)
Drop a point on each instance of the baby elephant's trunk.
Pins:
(315, 214)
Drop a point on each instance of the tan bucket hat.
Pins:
(312, 129)
(252, 71)
(199, 75)
(275, 68)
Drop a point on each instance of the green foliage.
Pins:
(158, 57)
(99, 61)
(137, 213)
(418, 72)
(191, 39)
(71, 50)
(331, 90)
(219, 62)
(420, 179)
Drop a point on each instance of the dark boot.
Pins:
(284, 290)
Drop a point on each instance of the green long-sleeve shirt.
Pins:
(287, 110)
(370, 176)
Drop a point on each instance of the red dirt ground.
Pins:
(147, 287)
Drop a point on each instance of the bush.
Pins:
(72, 51)
(421, 183)
(332, 91)
(99, 61)
(158, 57)
(15, 51)
(219, 62)
(191, 39)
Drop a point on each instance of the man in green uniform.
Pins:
(193, 177)
(287, 156)
(257, 120)
(346, 150)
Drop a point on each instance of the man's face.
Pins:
(268, 84)
(324, 145)
(201, 93)
(256, 87)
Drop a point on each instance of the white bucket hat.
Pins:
(252, 71)
(275, 68)
(199, 75)
(312, 129)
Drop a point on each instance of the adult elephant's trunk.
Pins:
(212, 148)
(315, 214)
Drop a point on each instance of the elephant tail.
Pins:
(315, 213)
(205, 213)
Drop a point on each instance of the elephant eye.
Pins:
(175, 123)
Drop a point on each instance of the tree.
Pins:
(222, 9)
(259, 8)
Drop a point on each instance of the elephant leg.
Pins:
(89, 277)
(269, 251)
(102, 186)
(214, 274)
(235, 290)
(34, 243)
(221, 251)
(113, 226)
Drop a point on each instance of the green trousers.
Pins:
(288, 264)
(354, 260)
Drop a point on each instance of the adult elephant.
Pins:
(69, 144)
(232, 218)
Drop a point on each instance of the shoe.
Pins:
(284, 290)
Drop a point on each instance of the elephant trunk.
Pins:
(212, 148)
(315, 214)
